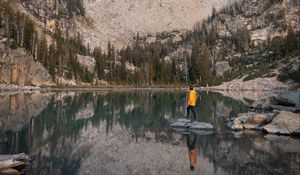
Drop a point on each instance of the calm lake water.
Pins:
(128, 133)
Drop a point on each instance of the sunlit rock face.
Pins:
(284, 123)
(18, 67)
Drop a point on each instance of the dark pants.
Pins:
(191, 108)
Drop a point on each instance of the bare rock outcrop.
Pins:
(249, 121)
(19, 68)
(258, 84)
(283, 123)
(119, 21)
(222, 67)
(87, 62)
(286, 123)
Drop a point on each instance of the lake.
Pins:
(128, 132)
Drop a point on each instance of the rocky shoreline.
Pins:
(6, 88)
(273, 115)
(258, 84)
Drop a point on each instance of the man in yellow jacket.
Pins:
(191, 102)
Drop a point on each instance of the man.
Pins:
(191, 102)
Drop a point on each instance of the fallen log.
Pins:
(13, 164)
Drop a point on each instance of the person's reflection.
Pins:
(192, 151)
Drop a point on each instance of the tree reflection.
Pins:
(51, 137)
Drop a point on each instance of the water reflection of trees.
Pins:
(137, 111)
(50, 137)
(132, 110)
(147, 109)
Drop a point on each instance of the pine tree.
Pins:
(194, 67)
(291, 40)
(205, 65)
(276, 46)
(174, 74)
(43, 51)
(52, 59)
(28, 34)
(100, 63)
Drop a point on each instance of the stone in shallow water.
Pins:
(248, 121)
(180, 124)
(201, 125)
(284, 123)
(192, 125)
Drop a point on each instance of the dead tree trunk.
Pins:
(13, 164)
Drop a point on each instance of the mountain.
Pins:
(147, 43)
(247, 40)
(119, 20)
(101, 21)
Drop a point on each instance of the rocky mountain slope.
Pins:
(119, 21)
(244, 40)
(101, 21)
(247, 40)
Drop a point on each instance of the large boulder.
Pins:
(222, 67)
(286, 123)
(201, 126)
(250, 120)
(186, 123)
(87, 62)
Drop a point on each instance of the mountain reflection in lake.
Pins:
(128, 133)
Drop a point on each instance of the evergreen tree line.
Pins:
(143, 63)
(148, 66)
(204, 39)
(58, 56)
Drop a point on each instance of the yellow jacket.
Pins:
(193, 157)
(192, 98)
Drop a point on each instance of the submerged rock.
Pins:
(286, 123)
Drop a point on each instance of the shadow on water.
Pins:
(60, 127)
